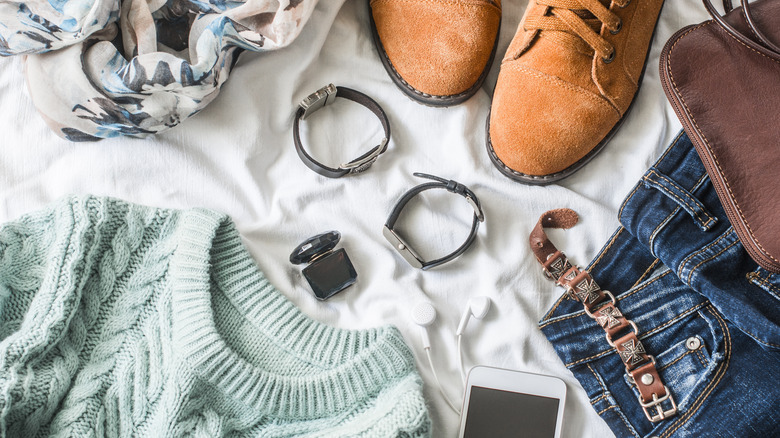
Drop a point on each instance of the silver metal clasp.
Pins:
(362, 164)
(403, 248)
(656, 404)
(476, 207)
(318, 99)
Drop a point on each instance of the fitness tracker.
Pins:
(329, 272)
(409, 254)
(325, 96)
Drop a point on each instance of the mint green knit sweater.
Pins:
(121, 320)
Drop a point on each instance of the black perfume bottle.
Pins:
(329, 272)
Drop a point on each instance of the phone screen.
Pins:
(495, 413)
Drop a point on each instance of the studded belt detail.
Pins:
(601, 305)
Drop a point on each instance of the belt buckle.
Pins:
(656, 404)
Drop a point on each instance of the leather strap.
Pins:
(325, 96)
(766, 47)
(409, 254)
(601, 305)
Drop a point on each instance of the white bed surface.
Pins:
(237, 156)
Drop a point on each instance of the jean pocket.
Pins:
(689, 352)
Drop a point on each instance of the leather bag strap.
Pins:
(767, 47)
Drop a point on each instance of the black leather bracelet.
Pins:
(325, 96)
(402, 247)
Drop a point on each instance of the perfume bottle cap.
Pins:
(314, 247)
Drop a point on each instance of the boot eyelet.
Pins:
(609, 58)
(627, 3)
(618, 28)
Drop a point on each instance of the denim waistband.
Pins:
(674, 209)
(674, 231)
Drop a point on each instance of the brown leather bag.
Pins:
(723, 80)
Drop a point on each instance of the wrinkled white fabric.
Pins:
(237, 156)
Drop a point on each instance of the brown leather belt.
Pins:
(621, 332)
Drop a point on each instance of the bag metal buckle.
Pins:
(656, 404)
(317, 100)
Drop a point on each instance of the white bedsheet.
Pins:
(237, 156)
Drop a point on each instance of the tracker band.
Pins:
(400, 244)
(621, 333)
(325, 96)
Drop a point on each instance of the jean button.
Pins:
(693, 343)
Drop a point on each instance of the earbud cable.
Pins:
(460, 361)
(438, 383)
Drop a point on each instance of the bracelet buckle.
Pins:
(363, 163)
(403, 248)
(318, 99)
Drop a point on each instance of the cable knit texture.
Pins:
(122, 320)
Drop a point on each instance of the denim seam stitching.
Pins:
(676, 360)
(668, 150)
(702, 209)
(667, 191)
(550, 312)
(613, 405)
(598, 379)
(595, 356)
(639, 183)
(690, 274)
(672, 321)
(598, 399)
(642, 287)
(764, 281)
(606, 409)
(663, 223)
(582, 312)
(622, 418)
(755, 338)
(645, 335)
(628, 198)
(658, 229)
(605, 250)
(707, 391)
(645, 274)
(701, 357)
(701, 251)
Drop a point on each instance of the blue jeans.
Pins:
(707, 313)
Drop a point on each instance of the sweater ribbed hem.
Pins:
(355, 364)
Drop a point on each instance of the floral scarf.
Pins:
(137, 67)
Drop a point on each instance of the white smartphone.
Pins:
(504, 403)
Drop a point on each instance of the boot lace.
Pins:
(582, 18)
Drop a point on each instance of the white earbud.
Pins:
(424, 314)
(477, 307)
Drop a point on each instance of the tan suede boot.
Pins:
(566, 83)
(437, 51)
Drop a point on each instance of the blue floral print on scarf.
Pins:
(137, 67)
